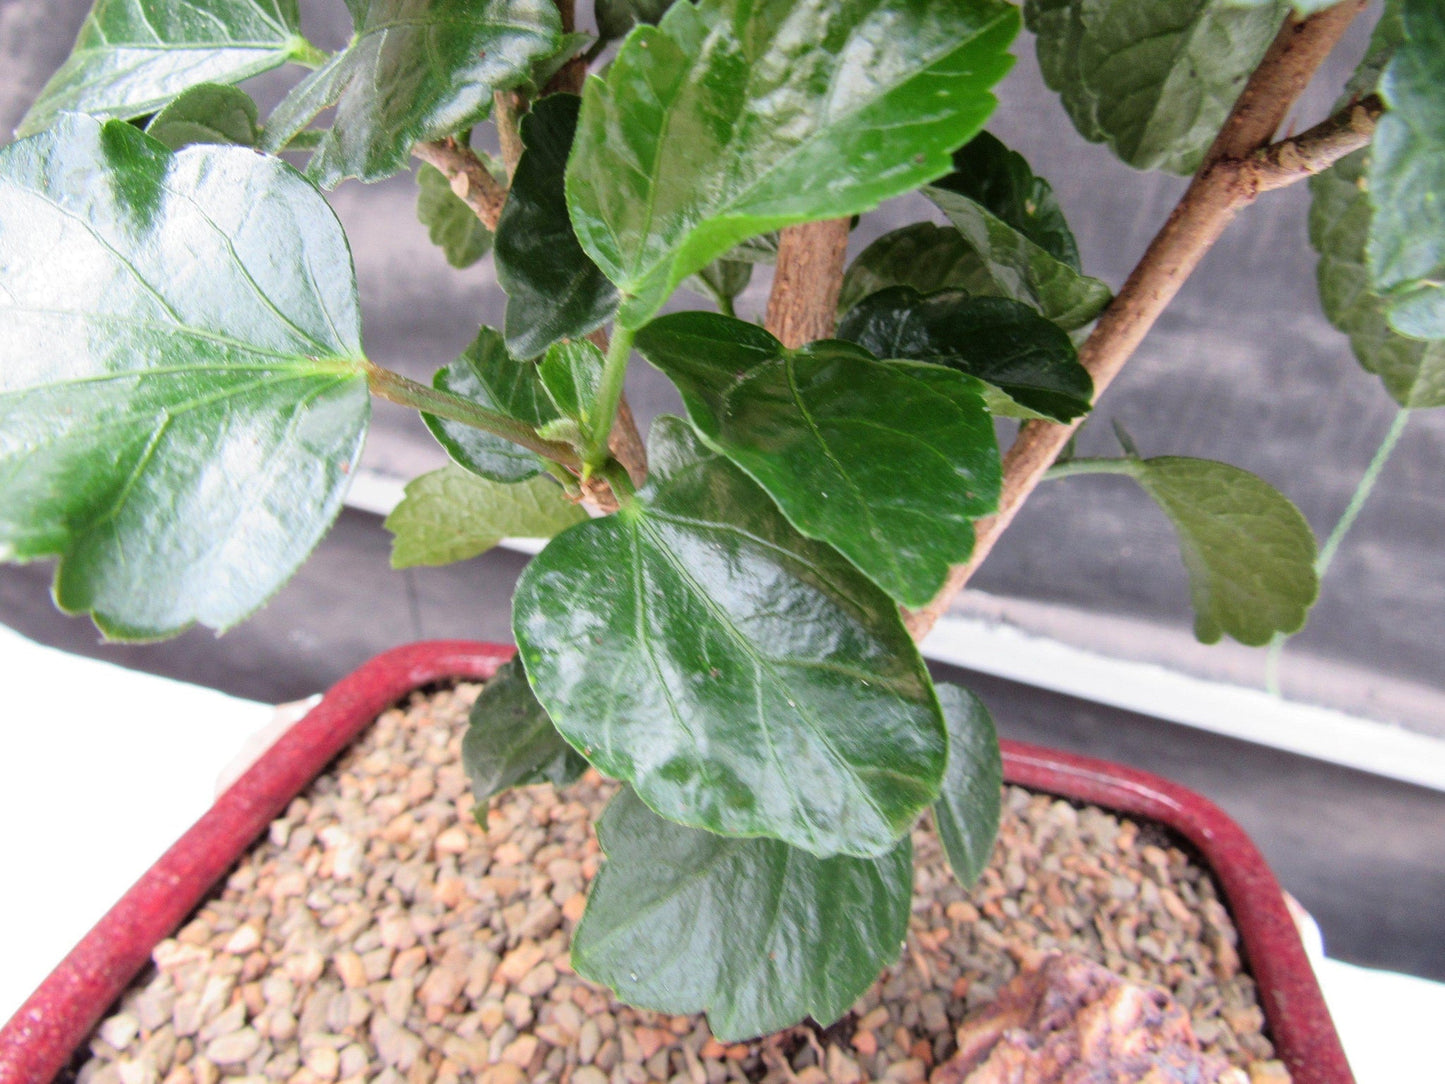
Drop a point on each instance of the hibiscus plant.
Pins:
(726, 615)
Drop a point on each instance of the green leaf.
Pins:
(1031, 362)
(570, 45)
(451, 515)
(1413, 371)
(510, 741)
(572, 372)
(450, 223)
(554, 290)
(177, 424)
(1406, 246)
(616, 17)
(1000, 181)
(742, 678)
(130, 59)
(676, 162)
(1153, 80)
(208, 113)
(967, 811)
(411, 73)
(1389, 31)
(722, 281)
(888, 462)
(755, 933)
(980, 255)
(1249, 553)
(487, 375)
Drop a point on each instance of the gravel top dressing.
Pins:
(379, 934)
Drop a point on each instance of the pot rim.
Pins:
(40, 1039)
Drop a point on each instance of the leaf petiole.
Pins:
(609, 394)
(396, 388)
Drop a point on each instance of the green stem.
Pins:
(1342, 527)
(392, 386)
(307, 55)
(1091, 466)
(609, 394)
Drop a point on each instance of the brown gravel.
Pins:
(379, 934)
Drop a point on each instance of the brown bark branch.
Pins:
(507, 109)
(469, 178)
(803, 305)
(1228, 180)
(1314, 151)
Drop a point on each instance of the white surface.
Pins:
(106, 767)
(1249, 714)
(103, 769)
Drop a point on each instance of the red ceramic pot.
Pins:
(51, 1026)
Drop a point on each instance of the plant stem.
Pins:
(1092, 466)
(472, 182)
(1341, 528)
(507, 109)
(609, 395)
(396, 388)
(1225, 184)
(803, 305)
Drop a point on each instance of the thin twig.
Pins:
(803, 305)
(470, 180)
(507, 109)
(1315, 150)
(1229, 180)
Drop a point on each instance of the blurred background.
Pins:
(1077, 631)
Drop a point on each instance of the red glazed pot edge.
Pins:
(47, 1030)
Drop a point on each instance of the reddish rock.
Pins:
(1070, 1021)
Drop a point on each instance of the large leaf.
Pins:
(1406, 246)
(134, 56)
(450, 224)
(1413, 371)
(967, 811)
(554, 290)
(412, 72)
(182, 390)
(746, 115)
(1153, 80)
(1000, 181)
(489, 376)
(1249, 553)
(451, 515)
(980, 254)
(510, 741)
(743, 679)
(1006, 344)
(209, 113)
(753, 932)
(890, 463)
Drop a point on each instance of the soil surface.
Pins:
(381, 934)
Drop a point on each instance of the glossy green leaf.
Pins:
(510, 741)
(554, 290)
(1000, 181)
(888, 462)
(133, 57)
(741, 677)
(177, 423)
(979, 254)
(209, 113)
(1249, 553)
(572, 372)
(1031, 362)
(1406, 246)
(1413, 371)
(413, 72)
(677, 160)
(450, 224)
(616, 17)
(452, 514)
(489, 376)
(753, 932)
(967, 811)
(1152, 80)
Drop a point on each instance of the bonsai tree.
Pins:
(726, 618)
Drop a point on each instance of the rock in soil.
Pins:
(379, 933)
